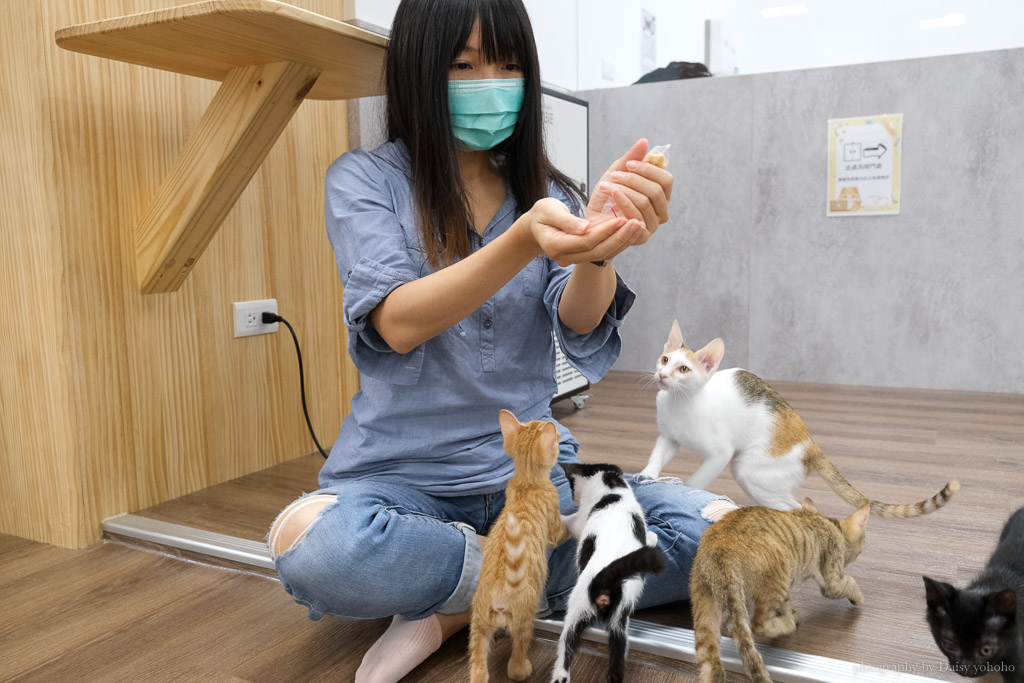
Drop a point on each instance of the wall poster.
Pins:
(864, 165)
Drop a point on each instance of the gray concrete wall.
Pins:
(931, 298)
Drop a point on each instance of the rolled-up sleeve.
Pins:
(373, 257)
(594, 353)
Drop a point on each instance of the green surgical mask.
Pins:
(484, 112)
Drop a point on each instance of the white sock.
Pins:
(400, 650)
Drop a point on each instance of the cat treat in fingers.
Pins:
(515, 566)
(759, 554)
(734, 418)
(980, 628)
(615, 553)
(658, 156)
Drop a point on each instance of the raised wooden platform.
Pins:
(210, 39)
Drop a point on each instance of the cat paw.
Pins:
(712, 673)
(519, 671)
(560, 676)
(853, 593)
(652, 539)
(787, 612)
(776, 627)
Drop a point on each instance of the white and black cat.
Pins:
(615, 553)
(980, 628)
(734, 418)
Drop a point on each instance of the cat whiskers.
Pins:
(684, 389)
(644, 383)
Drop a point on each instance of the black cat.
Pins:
(980, 628)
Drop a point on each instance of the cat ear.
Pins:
(809, 505)
(509, 424)
(937, 593)
(860, 517)
(711, 355)
(854, 525)
(675, 338)
(1001, 605)
(548, 444)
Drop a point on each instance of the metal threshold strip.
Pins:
(190, 539)
(785, 666)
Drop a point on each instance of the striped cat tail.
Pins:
(738, 621)
(515, 550)
(707, 627)
(921, 507)
(819, 462)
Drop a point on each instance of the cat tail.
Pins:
(819, 462)
(645, 560)
(707, 627)
(607, 583)
(515, 558)
(737, 618)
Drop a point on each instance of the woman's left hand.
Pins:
(637, 189)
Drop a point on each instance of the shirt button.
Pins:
(488, 324)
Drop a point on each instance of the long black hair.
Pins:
(426, 37)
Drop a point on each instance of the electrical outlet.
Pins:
(249, 317)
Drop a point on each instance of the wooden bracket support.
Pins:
(269, 56)
(234, 135)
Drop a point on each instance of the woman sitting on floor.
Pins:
(449, 240)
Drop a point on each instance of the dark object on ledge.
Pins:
(675, 71)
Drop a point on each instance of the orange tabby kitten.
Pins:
(515, 566)
(759, 554)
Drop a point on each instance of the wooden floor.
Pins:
(127, 615)
(110, 614)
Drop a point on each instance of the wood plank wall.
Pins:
(110, 400)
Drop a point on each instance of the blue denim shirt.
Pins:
(429, 418)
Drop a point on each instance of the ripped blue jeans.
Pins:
(385, 549)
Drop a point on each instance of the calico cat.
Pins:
(515, 566)
(759, 554)
(615, 552)
(732, 417)
(980, 628)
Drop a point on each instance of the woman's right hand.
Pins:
(567, 239)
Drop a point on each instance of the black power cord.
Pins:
(269, 318)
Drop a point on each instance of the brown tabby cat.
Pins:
(758, 553)
(515, 566)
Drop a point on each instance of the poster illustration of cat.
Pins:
(849, 200)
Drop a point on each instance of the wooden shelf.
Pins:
(269, 56)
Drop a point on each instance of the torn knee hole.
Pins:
(294, 522)
(718, 508)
